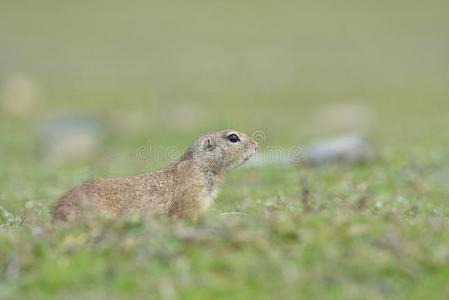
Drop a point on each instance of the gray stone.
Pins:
(70, 137)
(343, 150)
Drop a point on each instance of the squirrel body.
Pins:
(186, 188)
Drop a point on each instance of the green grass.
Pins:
(168, 71)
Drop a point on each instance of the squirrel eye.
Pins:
(233, 138)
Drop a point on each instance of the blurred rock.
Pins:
(70, 137)
(343, 150)
(18, 96)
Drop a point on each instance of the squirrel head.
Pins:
(222, 150)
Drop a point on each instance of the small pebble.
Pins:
(342, 150)
(70, 137)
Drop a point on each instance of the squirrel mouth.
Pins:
(247, 157)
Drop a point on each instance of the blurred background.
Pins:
(113, 88)
(102, 79)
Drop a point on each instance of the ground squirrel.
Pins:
(186, 188)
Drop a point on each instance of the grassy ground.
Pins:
(167, 71)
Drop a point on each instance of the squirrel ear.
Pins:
(209, 144)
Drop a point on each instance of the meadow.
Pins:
(166, 71)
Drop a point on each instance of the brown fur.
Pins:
(184, 189)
